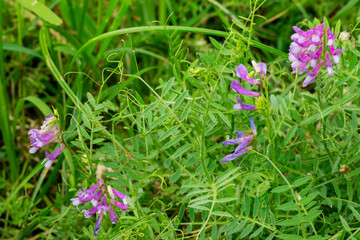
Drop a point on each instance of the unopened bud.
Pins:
(251, 74)
(111, 193)
(56, 113)
(260, 104)
(196, 71)
(84, 159)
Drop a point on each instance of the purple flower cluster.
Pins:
(242, 73)
(48, 133)
(90, 195)
(308, 50)
(243, 140)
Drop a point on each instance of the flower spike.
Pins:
(93, 195)
(307, 51)
(48, 133)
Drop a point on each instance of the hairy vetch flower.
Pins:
(242, 72)
(48, 133)
(51, 157)
(88, 195)
(260, 68)
(101, 208)
(243, 140)
(310, 49)
(237, 87)
(241, 106)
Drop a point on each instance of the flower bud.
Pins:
(110, 191)
(251, 74)
(260, 104)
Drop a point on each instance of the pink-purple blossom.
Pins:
(243, 140)
(242, 72)
(89, 213)
(329, 64)
(48, 133)
(260, 68)
(335, 53)
(331, 37)
(93, 195)
(237, 87)
(113, 215)
(88, 195)
(51, 157)
(241, 106)
(311, 75)
(310, 49)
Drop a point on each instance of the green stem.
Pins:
(51, 65)
(252, 14)
(298, 204)
(287, 110)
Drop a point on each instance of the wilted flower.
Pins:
(243, 140)
(101, 208)
(344, 169)
(345, 36)
(307, 50)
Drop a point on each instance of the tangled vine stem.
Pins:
(173, 28)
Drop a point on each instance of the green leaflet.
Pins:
(41, 10)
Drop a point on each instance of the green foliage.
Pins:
(145, 105)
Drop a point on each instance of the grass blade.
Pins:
(41, 10)
(4, 114)
(17, 48)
